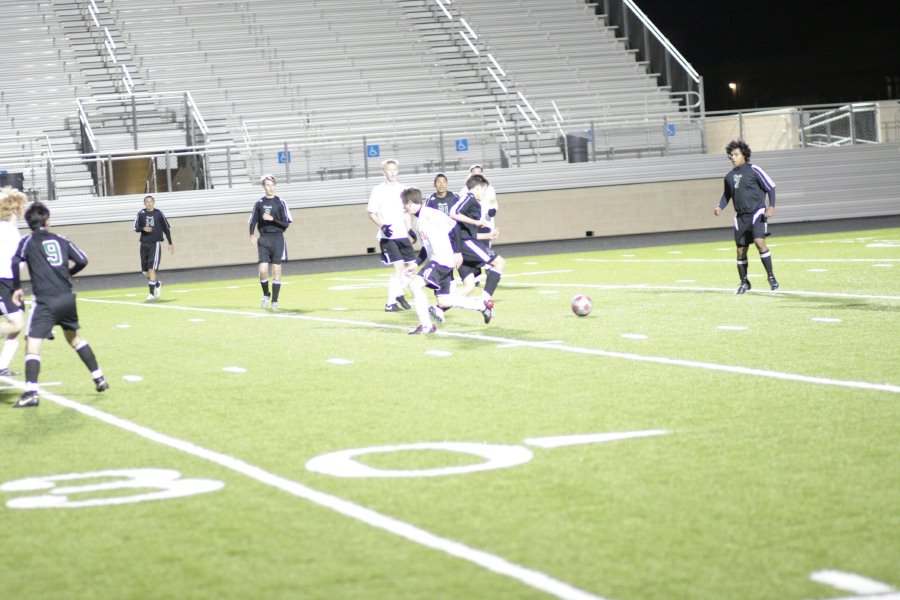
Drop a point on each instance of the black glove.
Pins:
(412, 235)
(491, 213)
(386, 231)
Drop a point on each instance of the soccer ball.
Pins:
(582, 305)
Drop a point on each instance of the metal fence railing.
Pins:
(33, 164)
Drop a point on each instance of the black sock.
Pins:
(276, 289)
(766, 258)
(742, 269)
(86, 355)
(152, 286)
(491, 281)
(265, 287)
(32, 368)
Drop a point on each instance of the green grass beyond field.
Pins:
(679, 442)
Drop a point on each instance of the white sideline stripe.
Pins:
(492, 562)
(590, 438)
(850, 582)
(666, 288)
(881, 387)
(14, 385)
(731, 260)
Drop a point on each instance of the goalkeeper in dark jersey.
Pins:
(152, 225)
(272, 216)
(48, 256)
(747, 186)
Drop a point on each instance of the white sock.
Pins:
(421, 303)
(393, 289)
(9, 350)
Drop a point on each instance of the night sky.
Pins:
(786, 52)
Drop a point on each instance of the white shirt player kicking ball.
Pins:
(435, 229)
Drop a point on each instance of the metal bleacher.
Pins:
(562, 55)
(324, 75)
(274, 70)
(38, 86)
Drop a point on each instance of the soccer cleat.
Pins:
(274, 306)
(436, 313)
(392, 308)
(158, 289)
(264, 303)
(151, 297)
(420, 330)
(488, 312)
(743, 288)
(100, 384)
(773, 283)
(403, 303)
(27, 399)
(7, 373)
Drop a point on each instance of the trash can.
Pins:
(576, 148)
(16, 180)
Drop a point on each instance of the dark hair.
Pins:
(37, 215)
(439, 175)
(411, 196)
(739, 145)
(476, 179)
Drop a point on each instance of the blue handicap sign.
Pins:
(670, 129)
(462, 145)
(373, 151)
(284, 157)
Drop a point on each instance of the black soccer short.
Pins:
(394, 251)
(437, 277)
(748, 227)
(151, 254)
(52, 310)
(7, 306)
(271, 248)
(476, 254)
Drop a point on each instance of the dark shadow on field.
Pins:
(587, 244)
(37, 422)
(810, 302)
(826, 304)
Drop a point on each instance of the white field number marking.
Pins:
(862, 586)
(167, 482)
(496, 456)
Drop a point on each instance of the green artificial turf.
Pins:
(777, 421)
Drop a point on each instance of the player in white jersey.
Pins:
(12, 205)
(386, 211)
(435, 231)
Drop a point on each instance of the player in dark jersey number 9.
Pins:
(48, 256)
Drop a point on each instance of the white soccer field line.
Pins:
(544, 345)
(492, 562)
(731, 260)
